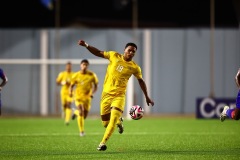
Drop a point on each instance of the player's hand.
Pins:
(68, 83)
(0, 88)
(149, 101)
(82, 43)
(63, 83)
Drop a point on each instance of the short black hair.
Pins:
(85, 61)
(131, 44)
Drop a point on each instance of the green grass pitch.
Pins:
(149, 138)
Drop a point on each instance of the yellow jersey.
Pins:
(118, 73)
(65, 77)
(84, 83)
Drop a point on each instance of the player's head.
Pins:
(69, 66)
(131, 44)
(85, 61)
(84, 65)
(129, 51)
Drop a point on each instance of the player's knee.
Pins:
(85, 114)
(81, 110)
(236, 115)
(105, 123)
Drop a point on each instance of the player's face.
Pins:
(68, 67)
(129, 53)
(84, 66)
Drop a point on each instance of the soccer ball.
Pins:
(136, 112)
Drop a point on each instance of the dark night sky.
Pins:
(111, 14)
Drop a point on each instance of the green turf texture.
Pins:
(148, 138)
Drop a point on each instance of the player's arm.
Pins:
(144, 89)
(71, 88)
(94, 90)
(59, 80)
(237, 78)
(91, 49)
(59, 83)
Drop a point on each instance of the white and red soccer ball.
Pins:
(136, 112)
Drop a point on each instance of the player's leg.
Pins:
(235, 114)
(120, 102)
(68, 109)
(63, 104)
(80, 115)
(68, 113)
(105, 109)
(116, 113)
(87, 107)
(105, 112)
(84, 109)
(232, 113)
(75, 114)
(80, 120)
(85, 113)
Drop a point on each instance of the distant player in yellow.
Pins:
(86, 83)
(64, 80)
(120, 69)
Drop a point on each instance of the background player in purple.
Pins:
(4, 81)
(233, 113)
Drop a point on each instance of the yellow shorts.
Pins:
(108, 101)
(65, 98)
(85, 102)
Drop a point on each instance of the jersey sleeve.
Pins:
(109, 54)
(138, 73)
(73, 79)
(95, 78)
(59, 78)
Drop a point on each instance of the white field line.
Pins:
(132, 133)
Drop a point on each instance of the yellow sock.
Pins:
(115, 115)
(81, 123)
(68, 115)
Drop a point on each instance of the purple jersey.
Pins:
(238, 100)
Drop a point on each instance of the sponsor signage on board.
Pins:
(212, 107)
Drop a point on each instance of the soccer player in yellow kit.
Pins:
(64, 80)
(86, 83)
(120, 69)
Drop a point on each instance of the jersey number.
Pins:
(119, 68)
